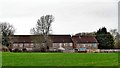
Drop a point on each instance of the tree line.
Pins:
(106, 40)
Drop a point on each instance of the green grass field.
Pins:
(59, 59)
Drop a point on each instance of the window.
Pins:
(84, 45)
(20, 45)
(66, 44)
(26, 44)
(15, 44)
(82, 49)
(55, 45)
(94, 45)
(89, 45)
(31, 45)
(78, 45)
(70, 44)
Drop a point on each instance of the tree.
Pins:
(43, 28)
(116, 36)
(113, 32)
(6, 30)
(86, 34)
(117, 40)
(105, 39)
(0, 39)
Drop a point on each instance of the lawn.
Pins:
(59, 59)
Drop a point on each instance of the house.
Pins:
(61, 42)
(85, 43)
(64, 43)
(31, 42)
(20, 42)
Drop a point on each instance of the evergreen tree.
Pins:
(105, 39)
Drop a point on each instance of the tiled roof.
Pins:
(84, 39)
(88, 39)
(21, 38)
(54, 38)
(61, 38)
(75, 39)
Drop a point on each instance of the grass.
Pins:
(59, 59)
(0, 59)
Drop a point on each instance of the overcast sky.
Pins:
(71, 16)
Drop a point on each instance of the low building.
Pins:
(36, 42)
(64, 43)
(20, 42)
(85, 43)
(61, 42)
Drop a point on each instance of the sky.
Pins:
(71, 16)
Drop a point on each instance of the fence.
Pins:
(109, 50)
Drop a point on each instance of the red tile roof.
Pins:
(84, 39)
(75, 39)
(61, 38)
(89, 39)
(21, 38)
(54, 38)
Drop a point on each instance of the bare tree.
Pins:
(43, 28)
(0, 39)
(117, 40)
(113, 32)
(116, 36)
(6, 30)
(38, 40)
